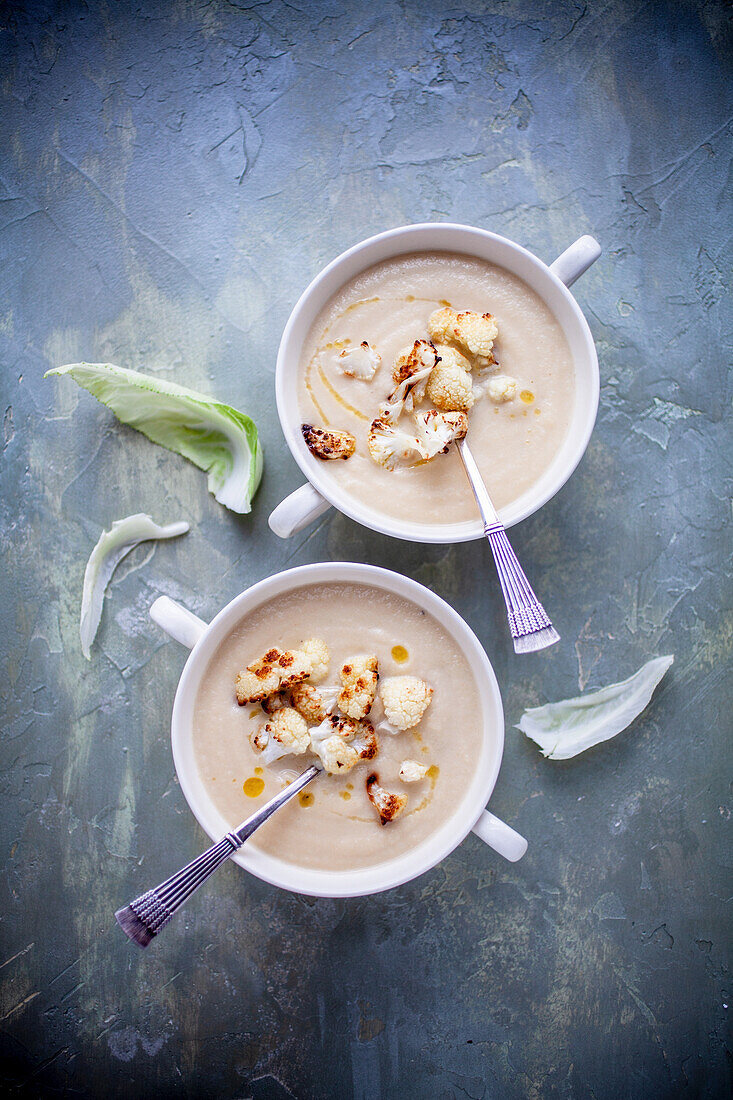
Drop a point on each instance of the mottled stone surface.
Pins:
(172, 175)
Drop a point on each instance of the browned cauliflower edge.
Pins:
(328, 443)
(359, 677)
(388, 805)
(276, 670)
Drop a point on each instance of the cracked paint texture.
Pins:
(172, 176)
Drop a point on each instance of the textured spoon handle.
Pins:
(528, 621)
(144, 917)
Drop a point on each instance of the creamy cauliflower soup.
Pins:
(487, 356)
(363, 682)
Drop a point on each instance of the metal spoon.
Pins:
(144, 917)
(528, 621)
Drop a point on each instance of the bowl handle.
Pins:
(297, 511)
(576, 260)
(499, 836)
(176, 620)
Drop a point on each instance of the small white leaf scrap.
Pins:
(564, 729)
(113, 545)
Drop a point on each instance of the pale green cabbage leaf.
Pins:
(564, 729)
(113, 545)
(214, 436)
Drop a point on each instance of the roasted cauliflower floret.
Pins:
(437, 430)
(334, 724)
(388, 805)
(360, 362)
(285, 734)
(359, 677)
(410, 374)
(309, 702)
(329, 742)
(365, 742)
(413, 360)
(405, 699)
(318, 654)
(328, 443)
(412, 771)
(475, 332)
(440, 325)
(501, 388)
(392, 446)
(337, 756)
(273, 672)
(450, 387)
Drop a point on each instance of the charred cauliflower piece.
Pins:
(410, 374)
(388, 805)
(501, 388)
(308, 702)
(413, 360)
(412, 771)
(392, 446)
(365, 742)
(474, 332)
(340, 743)
(437, 430)
(337, 756)
(360, 362)
(328, 443)
(274, 702)
(359, 678)
(405, 699)
(318, 653)
(273, 672)
(329, 741)
(450, 386)
(286, 734)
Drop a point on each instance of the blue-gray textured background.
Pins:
(171, 176)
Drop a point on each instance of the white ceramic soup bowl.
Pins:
(470, 815)
(549, 282)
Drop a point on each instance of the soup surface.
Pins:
(332, 825)
(388, 306)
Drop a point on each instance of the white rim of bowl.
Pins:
(378, 877)
(467, 531)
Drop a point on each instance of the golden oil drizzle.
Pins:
(433, 773)
(349, 786)
(361, 302)
(399, 654)
(306, 798)
(345, 795)
(537, 412)
(255, 713)
(254, 786)
(527, 396)
(309, 387)
(337, 396)
(258, 771)
(445, 302)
